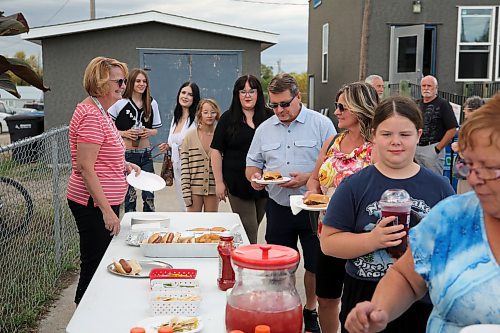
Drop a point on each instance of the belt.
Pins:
(142, 150)
(426, 143)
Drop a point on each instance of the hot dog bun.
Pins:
(135, 267)
(218, 229)
(127, 267)
(271, 175)
(317, 200)
(154, 238)
(119, 268)
(168, 237)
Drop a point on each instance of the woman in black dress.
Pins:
(232, 138)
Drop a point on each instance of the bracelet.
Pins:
(437, 149)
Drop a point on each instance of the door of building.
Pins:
(406, 53)
(213, 71)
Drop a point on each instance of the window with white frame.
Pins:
(324, 54)
(497, 78)
(475, 40)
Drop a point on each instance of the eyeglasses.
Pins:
(120, 82)
(340, 106)
(282, 104)
(484, 173)
(250, 92)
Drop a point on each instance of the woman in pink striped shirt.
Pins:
(97, 183)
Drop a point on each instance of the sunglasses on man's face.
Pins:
(120, 82)
(282, 104)
(341, 107)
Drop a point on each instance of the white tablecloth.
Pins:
(115, 304)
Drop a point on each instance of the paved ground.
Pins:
(61, 311)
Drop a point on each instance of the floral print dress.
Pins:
(338, 165)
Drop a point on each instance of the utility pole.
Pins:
(92, 9)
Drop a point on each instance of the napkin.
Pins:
(294, 201)
(146, 226)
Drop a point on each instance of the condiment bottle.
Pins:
(165, 329)
(262, 329)
(226, 272)
(137, 330)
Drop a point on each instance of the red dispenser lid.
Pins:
(265, 257)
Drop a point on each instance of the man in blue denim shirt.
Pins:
(289, 142)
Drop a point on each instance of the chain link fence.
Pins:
(38, 236)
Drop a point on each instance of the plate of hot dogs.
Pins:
(135, 268)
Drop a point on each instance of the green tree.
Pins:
(302, 80)
(32, 61)
(266, 74)
(9, 26)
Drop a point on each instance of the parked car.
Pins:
(27, 110)
(6, 109)
(3, 124)
(34, 105)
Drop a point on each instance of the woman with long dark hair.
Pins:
(188, 98)
(232, 138)
(137, 117)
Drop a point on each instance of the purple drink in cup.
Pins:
(396, 202)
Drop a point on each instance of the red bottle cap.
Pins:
(165, 329)
(236, 331)
(262, 329)
(265, 257)
(137, 330)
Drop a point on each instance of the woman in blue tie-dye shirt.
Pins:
(455, 250)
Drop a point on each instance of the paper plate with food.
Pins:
(313, 202)
(178, 324)
(135, 268)
(271, 177)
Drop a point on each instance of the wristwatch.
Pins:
(437, 149)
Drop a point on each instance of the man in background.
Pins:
(440, 125)
(377, 82)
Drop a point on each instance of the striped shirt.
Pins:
(88, 125)
(197, 176)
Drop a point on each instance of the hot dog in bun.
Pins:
(127, 267)
(317, 200)
(155, 238)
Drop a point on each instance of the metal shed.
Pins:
(174, 49)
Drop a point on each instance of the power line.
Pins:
(273, 3)
(57, 12)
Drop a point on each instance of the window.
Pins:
(310, 95)
(316, 3)
(474, 60)
(498, 51)
(324, 54)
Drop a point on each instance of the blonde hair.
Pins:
(96, 76)
(199, 109)
(484, 119)
(361, 99)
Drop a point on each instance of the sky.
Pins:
(288, 18)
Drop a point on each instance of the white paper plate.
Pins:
(146, 181)
(269, 182)
(482, 328)
(298, 201)
(151, 324)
